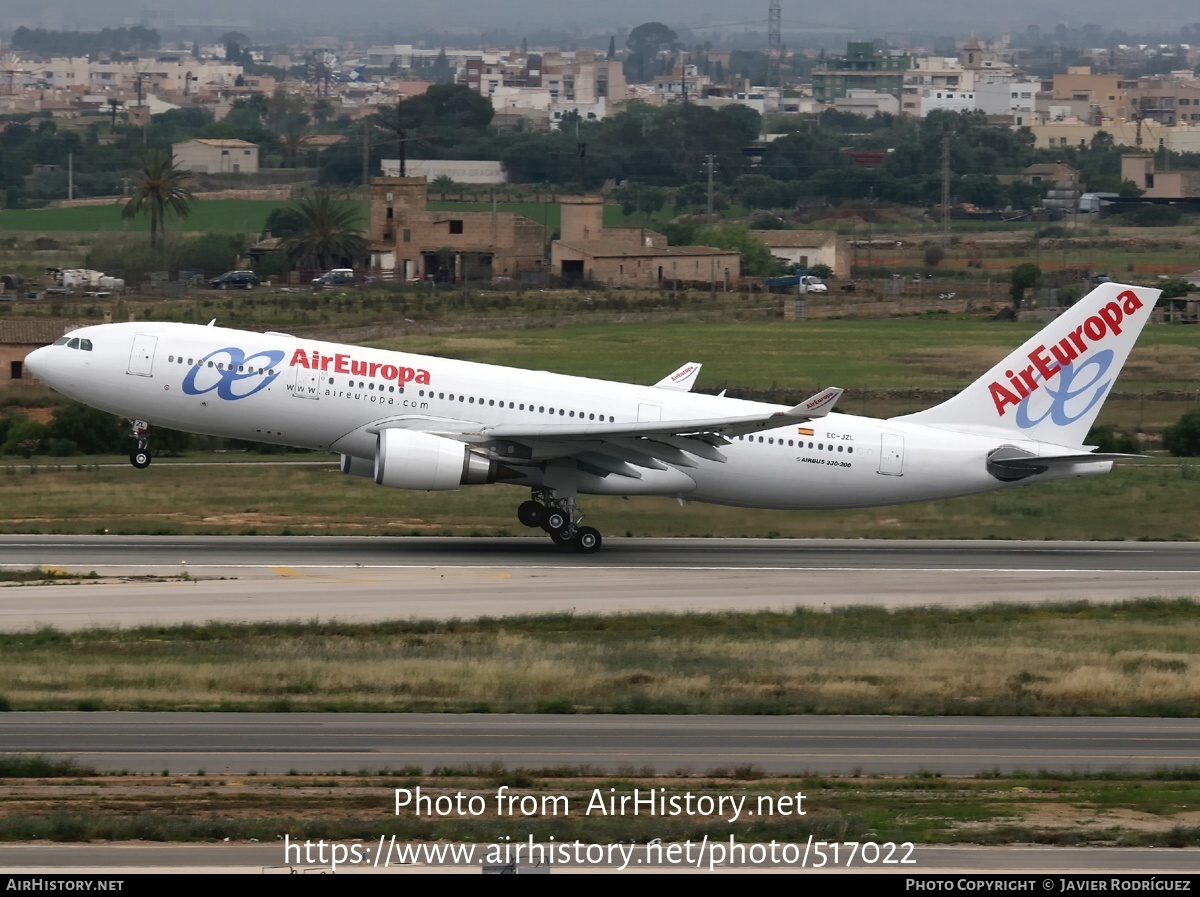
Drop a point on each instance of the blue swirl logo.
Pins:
(1067, 389)
(233, 374)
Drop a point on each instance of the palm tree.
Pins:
(329, 232)
(160, 191)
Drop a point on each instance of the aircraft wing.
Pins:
(612, 447)
(617, 448)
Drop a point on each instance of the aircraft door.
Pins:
(308, 383)
(891, 455)
(141, 358)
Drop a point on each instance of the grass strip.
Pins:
(1042, 808)
(1128, 659)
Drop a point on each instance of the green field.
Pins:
(232, 216)
(247, 216)
(1157, 500)
(934, 351)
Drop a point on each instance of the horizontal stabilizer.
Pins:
(1008, 463)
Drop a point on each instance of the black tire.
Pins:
(587, 540)
(140, 459)
(555, 520)
(562, 537)
(531, 513)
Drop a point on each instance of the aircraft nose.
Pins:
(38, 362)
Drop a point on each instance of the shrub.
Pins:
(1106, 439)
(1182, 438)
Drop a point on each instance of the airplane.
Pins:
(427, 423)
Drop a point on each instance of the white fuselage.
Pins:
(299, 392)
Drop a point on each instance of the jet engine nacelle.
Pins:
(406, 459)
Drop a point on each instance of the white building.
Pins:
(216, 156)
(867, 103)
(945, 99)
(461, 171)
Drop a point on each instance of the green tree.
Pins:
(645, 42)
(756, 255)
(329, 235)
(1024, 276)
(92, 431)
(1182, 438)
(160, 191)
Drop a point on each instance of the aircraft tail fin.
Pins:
(1051, 388)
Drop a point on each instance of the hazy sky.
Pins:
(384, 16)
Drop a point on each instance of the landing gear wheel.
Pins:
(531, 513)
(587, 540)
(554, 521)
(562, 537)
(139, 459)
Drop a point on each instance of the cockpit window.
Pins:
(85, 345)
(74, 343)
(61, 341)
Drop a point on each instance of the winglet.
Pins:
(683, 379)
(817, 405)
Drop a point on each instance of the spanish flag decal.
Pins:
(804, 431)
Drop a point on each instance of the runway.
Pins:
(142, 578)
(242, 743)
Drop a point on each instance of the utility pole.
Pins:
(70, 176)
(945, 191)
(774, 53)
(366, 171)
(709, 166)
(400, 137)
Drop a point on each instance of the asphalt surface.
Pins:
(365, 579)
(241, 743)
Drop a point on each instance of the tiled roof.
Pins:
(620, 249)
(36, 331)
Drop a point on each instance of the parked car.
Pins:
(338, 277)
(235, 280)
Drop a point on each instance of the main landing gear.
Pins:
(559, 518)
(139, 454)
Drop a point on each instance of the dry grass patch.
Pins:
(1137, 658)
(1164, 363)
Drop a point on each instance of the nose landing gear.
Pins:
(559, 517)
(139, 455)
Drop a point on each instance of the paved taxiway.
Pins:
(360, 579)
(241, 743)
